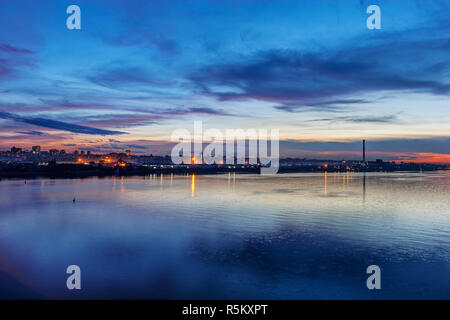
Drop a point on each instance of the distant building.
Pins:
(122, 163)
(15, 150)
(36, 149)
(128, 153)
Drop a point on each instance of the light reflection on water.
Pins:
(290, 236)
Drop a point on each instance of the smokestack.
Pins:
(364, 150)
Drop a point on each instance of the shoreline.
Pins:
(79, 172)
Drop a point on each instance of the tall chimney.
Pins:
(364, 150)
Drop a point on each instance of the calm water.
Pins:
(292, 236)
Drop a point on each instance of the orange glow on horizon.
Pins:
(429, 157)
(419, 157)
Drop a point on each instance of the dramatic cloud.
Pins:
(372, 119)
(296, 80)
(31, 133)
(142, 117)
(12, 59)
(310, 68)
(11, 49)
(119, 76)
(120, 120)
(195, 110)
(58, 125)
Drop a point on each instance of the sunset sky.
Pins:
(137, 70)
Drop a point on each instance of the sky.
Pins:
(138, 70)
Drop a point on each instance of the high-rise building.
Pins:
(36, 149)
(128, 152)
(364, 150)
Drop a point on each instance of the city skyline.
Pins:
(351, 156)
(136, 71)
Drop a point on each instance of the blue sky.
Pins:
(137, 70)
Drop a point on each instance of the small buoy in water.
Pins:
(73, 200)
